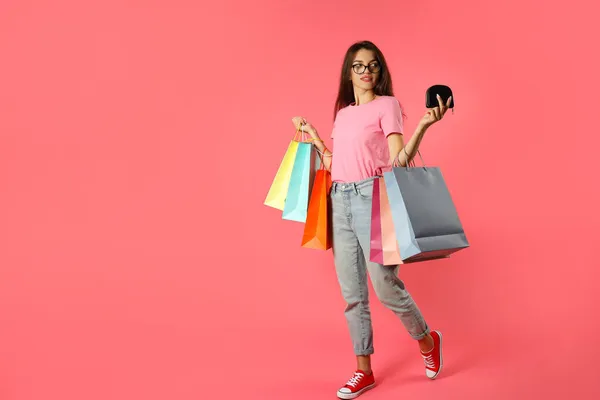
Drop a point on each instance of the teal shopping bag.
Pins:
(301, 182)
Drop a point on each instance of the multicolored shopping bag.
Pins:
(279, 187)
(301, 183)
(317, 232)
(384, 247)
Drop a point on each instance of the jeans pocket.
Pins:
(366, 193)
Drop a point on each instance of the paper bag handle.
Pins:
(408, 163)
(303, 138)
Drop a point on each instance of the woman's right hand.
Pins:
(301, 122)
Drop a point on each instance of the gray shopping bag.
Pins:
(425, 218)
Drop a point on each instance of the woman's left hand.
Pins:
(433, 115)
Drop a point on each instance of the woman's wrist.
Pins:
(422, 128)
(319, 144)
(321, 148)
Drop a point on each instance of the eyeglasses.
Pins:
(374, 67)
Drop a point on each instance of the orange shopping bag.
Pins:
(316, 230)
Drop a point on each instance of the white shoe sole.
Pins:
(349, 396)
(441, 357)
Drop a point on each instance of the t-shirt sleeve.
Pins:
(391, 117)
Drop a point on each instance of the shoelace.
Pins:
(355, 379)
(429, 362)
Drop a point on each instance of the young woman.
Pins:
(368, 138)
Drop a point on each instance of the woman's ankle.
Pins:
(363, 364)
(426, 344)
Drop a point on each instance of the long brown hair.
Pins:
(383, 87)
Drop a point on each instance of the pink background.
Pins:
(138, 140)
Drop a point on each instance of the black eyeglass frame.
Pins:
(373, 67)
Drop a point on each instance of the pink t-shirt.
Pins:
(360, 148)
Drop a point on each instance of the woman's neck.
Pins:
(363, 97)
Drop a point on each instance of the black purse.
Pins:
(445, 92)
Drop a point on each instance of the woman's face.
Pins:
(365, 70)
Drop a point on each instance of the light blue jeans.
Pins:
(351, 206)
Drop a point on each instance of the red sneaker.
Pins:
(357, 385)
(433, 359)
